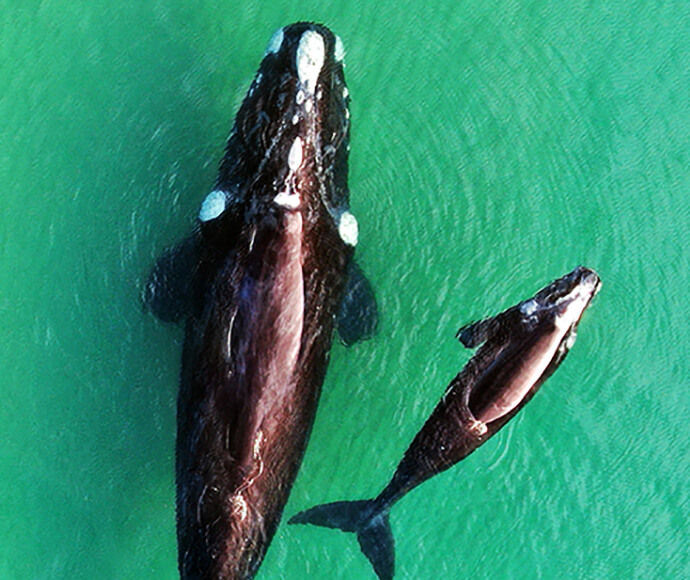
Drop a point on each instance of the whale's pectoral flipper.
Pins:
(170, 287)
(358, 317)
(475, 333)
(175, 281)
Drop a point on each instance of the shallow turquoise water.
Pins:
(495, 146)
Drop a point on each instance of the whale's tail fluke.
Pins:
(364, 519)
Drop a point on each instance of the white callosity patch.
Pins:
(276, 42)
(570, 339)
(214, 205)
(311, 54)
(287, 200)
(295, 155)
(256, 83)
(529, 307)
(576, 303)
(346, 94)
(339, 49)
(348, 228)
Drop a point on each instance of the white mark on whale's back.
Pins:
(295, 155)
(287, 200)
(310, 57)
(214, 205)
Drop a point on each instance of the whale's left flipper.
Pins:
(172, 283)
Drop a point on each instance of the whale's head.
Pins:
(288, 149)
(564, 300)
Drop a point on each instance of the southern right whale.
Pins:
(261, 284)
(521, 348)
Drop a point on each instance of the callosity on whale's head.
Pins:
(288, 149)
(564, 300)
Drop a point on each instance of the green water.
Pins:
(495, 146)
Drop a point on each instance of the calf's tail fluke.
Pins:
(364, 519)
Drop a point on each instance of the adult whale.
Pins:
(521, 348)
(261, 283)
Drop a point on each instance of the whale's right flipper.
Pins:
(372, 527)
(358, 316)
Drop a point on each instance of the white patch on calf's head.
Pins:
(575, 304)
(529, 307)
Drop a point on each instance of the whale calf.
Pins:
(261, 284)
(520, 348)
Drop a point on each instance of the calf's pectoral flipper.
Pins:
(358, 316)
(475, 333)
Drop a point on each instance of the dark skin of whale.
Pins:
(520, 349)
(260, 284)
